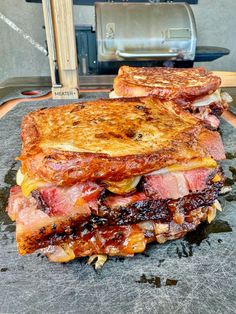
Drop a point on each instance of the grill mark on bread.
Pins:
(143, 108)
(78, 107)
(130, 133)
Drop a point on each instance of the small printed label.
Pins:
(65, 93)
(110, 30)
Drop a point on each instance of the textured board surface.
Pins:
(18, 93)
(192, 275)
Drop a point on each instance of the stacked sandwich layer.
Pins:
(195, 89)
(110, 176)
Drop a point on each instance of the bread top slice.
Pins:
(167, 83)
(107, 139)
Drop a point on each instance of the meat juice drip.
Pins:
(4, 193)
(156, 282)
(231, 181)
(184, 250)
(231, 198)
(230, 155)
(10, 180)
(10, 176)
(233, 171)
(171, 282)
(204, 230)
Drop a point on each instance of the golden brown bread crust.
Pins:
(107, 139)
(166, 83)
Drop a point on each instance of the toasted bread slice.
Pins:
(110, 139)
(166, 83)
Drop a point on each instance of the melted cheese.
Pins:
(193, 164)
(216, 178)
(113, 95)
(19, 177)
(200, 102)
(124, 186)
(28, 184)
(207, 100)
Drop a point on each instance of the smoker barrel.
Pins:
(141, 34)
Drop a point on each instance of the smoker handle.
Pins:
(128, 55)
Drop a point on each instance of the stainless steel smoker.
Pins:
(137, 31)
(141, 34)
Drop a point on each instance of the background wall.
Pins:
(216, 24)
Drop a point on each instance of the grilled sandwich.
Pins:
(106, 177)
(195, 89)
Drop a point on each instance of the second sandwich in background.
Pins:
(195, 89)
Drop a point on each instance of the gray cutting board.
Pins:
(192, 275)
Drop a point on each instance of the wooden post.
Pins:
(60, 33)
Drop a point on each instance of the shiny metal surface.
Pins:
(86, 81)
(138, 55)
(150, 31)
